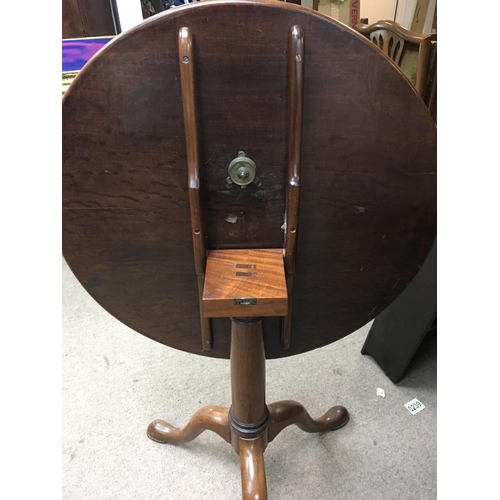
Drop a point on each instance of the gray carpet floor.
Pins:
(116, 381)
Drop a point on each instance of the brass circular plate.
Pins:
(242, 171)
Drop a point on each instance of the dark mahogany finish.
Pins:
(367, 186)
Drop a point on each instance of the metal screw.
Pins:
(243, 173)
(256, 181)
(196, 231)
(185, 59)
(241, 153)
(298, 58)
(293, 229)
(229, 180)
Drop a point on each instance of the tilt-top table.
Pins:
(197, 146)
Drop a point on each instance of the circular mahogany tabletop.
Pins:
(368, 195)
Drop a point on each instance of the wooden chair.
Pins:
(413, 52)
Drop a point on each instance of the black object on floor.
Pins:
(398, 331)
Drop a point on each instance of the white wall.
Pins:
(374, 10)
(430, 17)
(130, 13)
(406, 12)
(377, 10)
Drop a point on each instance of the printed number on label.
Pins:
(414, 406)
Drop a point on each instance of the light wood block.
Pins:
(245, 283)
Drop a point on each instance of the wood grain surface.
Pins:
(368, 171)
(245, 274)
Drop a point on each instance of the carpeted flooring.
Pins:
(116, 381)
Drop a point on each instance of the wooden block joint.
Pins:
(245, 283)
